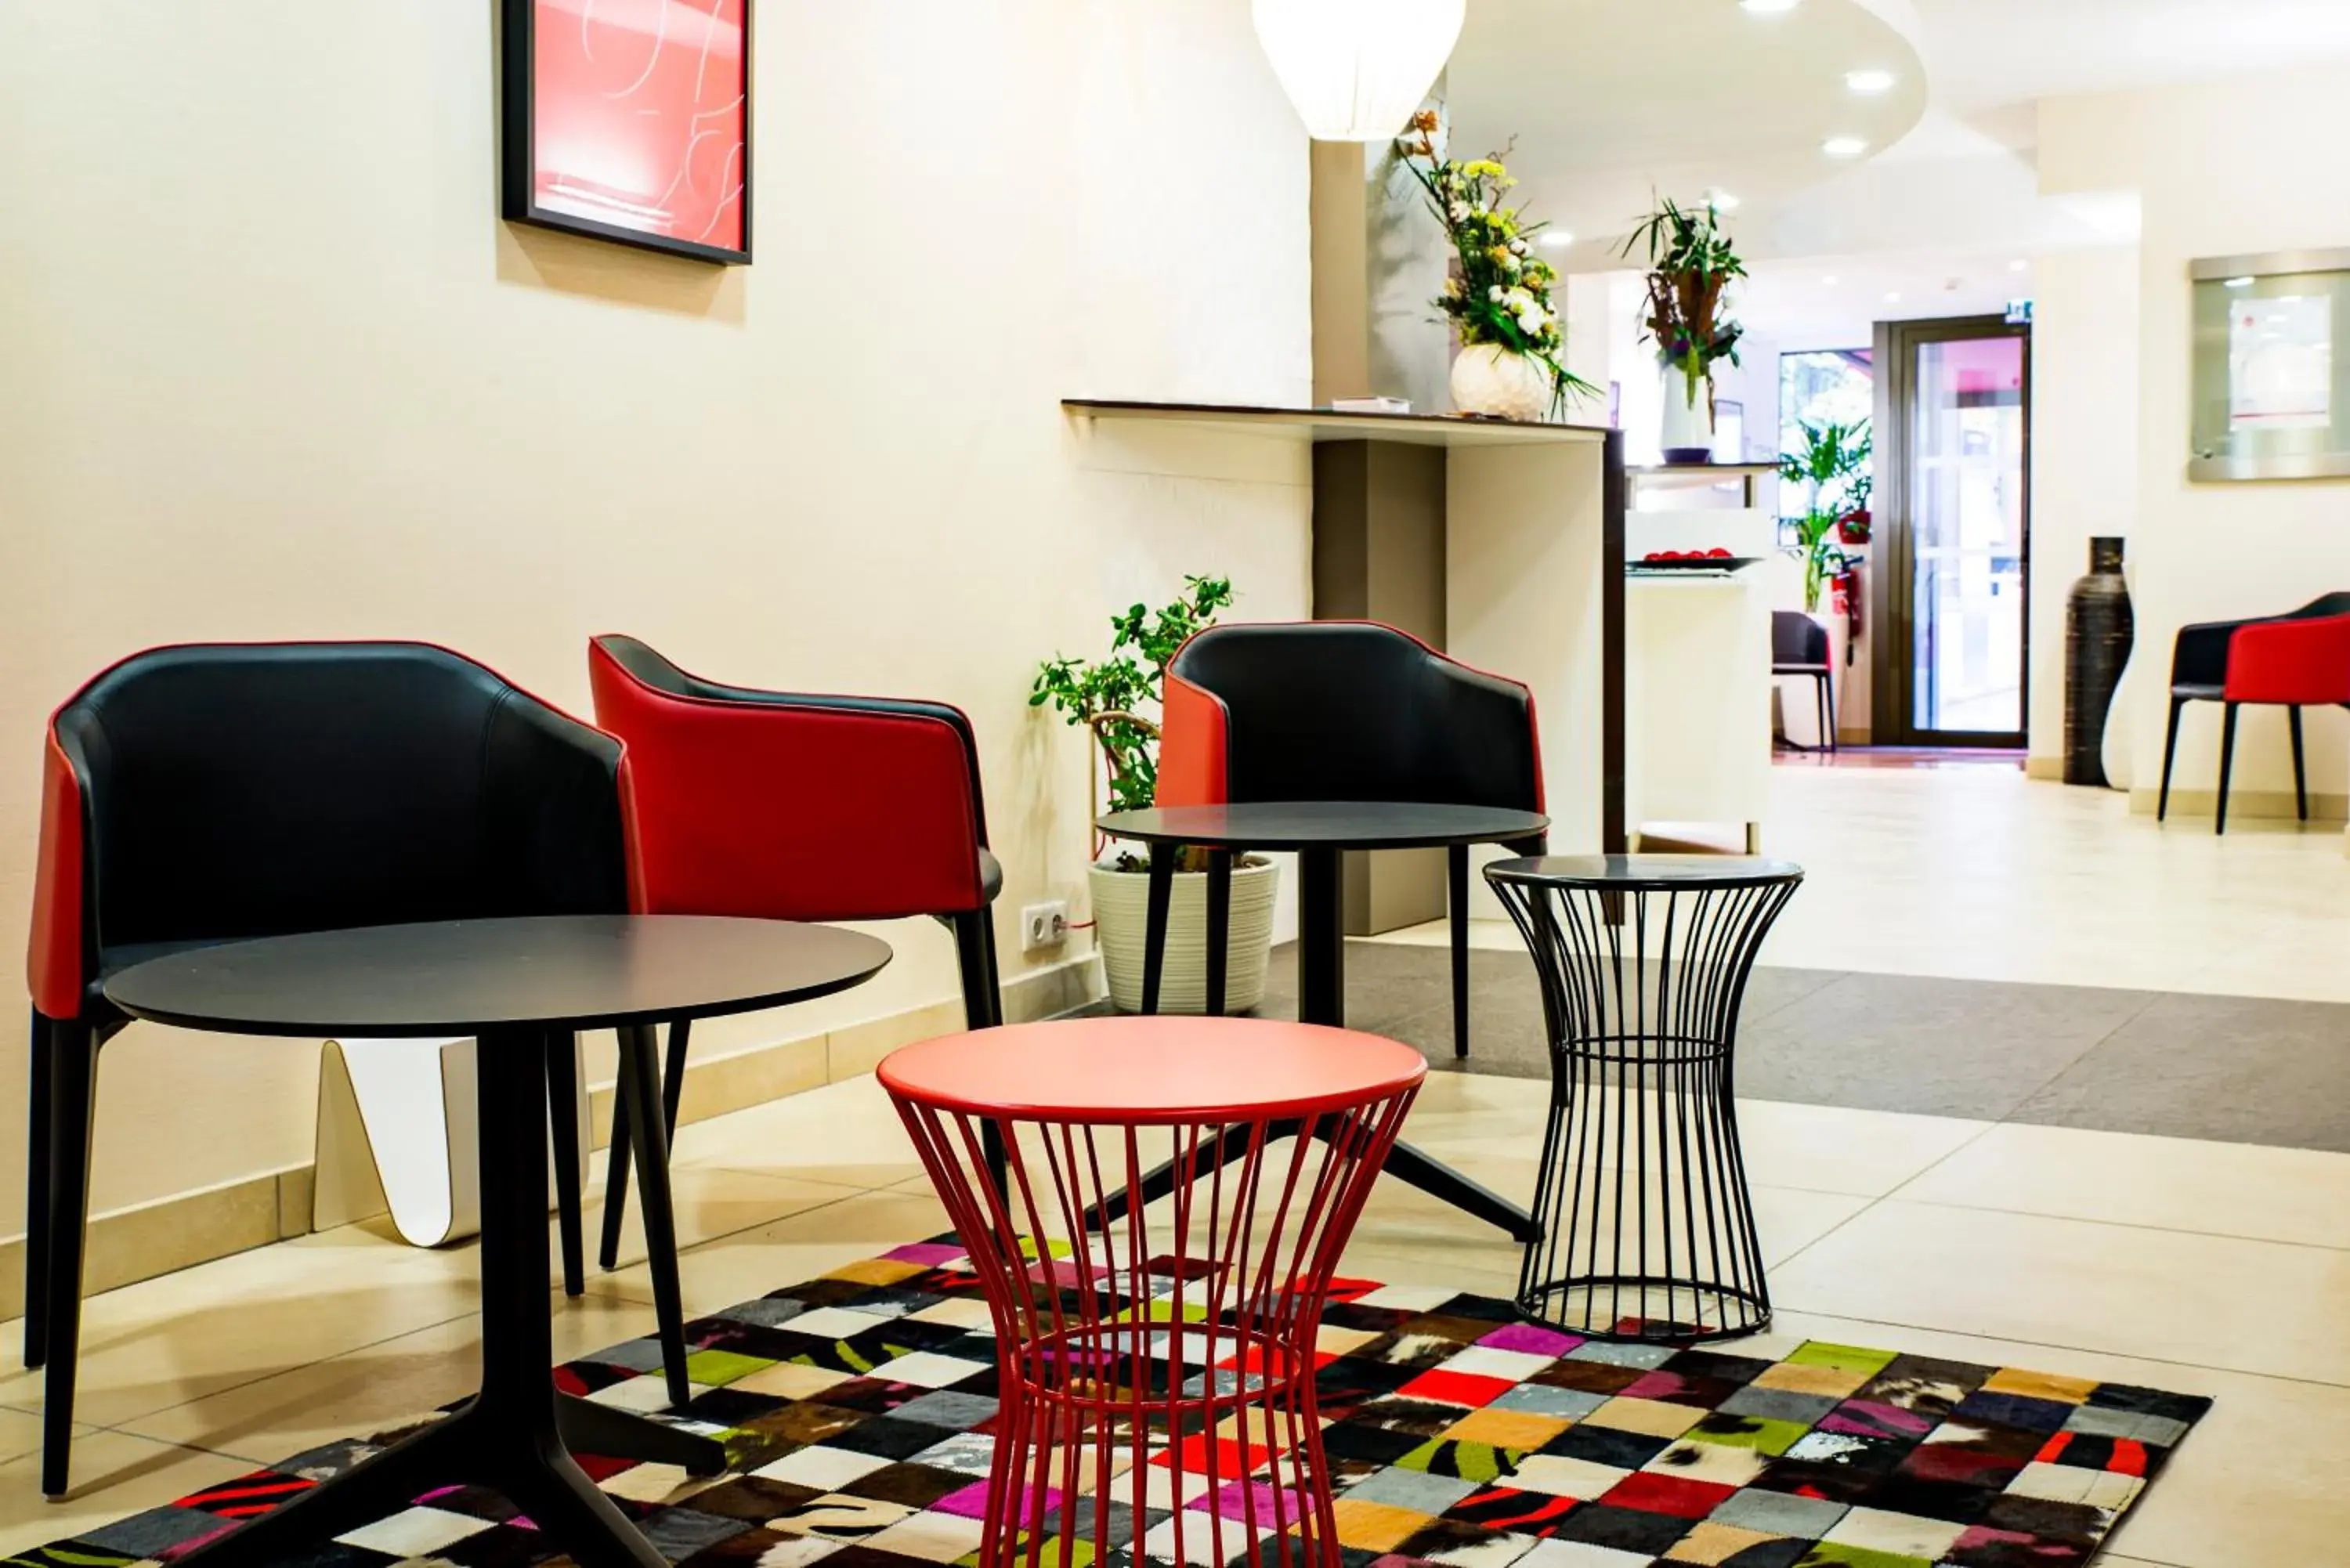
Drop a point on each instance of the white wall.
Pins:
(274, 370)
(2085, 448)
(2247, 165)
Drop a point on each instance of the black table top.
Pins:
(1324, 825)
(464, 977)
(1645, 873)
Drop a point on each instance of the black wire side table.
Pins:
(1648, 1226)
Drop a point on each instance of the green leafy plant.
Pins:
(1692, 263)
(1834, 464)
(1108, 696)
(1499, 291)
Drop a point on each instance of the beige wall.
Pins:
(2085, 450)
(2247, 165)
(273, 368)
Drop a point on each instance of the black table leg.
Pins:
(1321, 937)
(1220, 926)
(508, 1437)
(1478, 1201)
(1154, 930)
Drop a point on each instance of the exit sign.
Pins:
(2019, 313)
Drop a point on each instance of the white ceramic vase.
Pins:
(1688, 433)
(1490, 380)
(1121, 919)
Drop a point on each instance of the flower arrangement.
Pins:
(1691, 263)
(1835, 465)
(1499, 292)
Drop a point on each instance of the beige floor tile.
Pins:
(376, 1387)
(115, 1474)
(2251, 1306)
(752, 1263)
(710, 1201)
(2129, 1178)
(2258, 1483)
(1827, 1149)
(845, 1134)
(197, 1333)
(20, 1432)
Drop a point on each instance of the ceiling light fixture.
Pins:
(1721, 201)
(1558, 239)
(1768, 7)
(1894, 298)
(1357, 70)
(1843, 146)
(2240, 282)
(1831, 280)
(2019, 265)
(1870, 84)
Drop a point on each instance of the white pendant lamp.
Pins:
(1357, 70)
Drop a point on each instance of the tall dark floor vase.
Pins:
(2100, 628)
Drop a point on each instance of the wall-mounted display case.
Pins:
(2271, 385)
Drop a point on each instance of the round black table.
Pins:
(1646, 1226)
(520, 987)
(1321, 831)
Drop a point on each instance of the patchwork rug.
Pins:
(856, 1410)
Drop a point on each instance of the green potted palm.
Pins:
(1833, 465)
(1114, 700)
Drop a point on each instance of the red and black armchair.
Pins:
(793, 807)
(200, 795)
(2296, 660)
(1348, 710)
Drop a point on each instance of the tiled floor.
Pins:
(2204, 1266)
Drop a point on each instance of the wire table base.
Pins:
(1157, 1359)
(1648, 1226)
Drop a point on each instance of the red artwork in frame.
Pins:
(631, 120)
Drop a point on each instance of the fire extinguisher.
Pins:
(1846, 600)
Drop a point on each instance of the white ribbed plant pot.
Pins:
(1688, 433)
(1490, 380)
(1121, 917)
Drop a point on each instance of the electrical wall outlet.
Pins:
(1043, 925)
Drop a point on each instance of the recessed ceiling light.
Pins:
(1766, 7)
(2019, 265)
(1721, 201)
(1843, 146)
(2240, 282)
(1558, 239)
(1893, 298)
(1831, 280)
(1868, 84)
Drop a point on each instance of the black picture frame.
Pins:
(518, 153)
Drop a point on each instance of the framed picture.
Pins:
(631, 120)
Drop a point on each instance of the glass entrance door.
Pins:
(1967, 435)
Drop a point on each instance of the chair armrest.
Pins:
(2302, 662)
(2199, 657)
(552, 801)
(1492, 749)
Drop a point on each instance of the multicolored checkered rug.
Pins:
(856, 1410)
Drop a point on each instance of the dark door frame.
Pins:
(1892, 590)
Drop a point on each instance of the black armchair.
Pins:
(1349, 710)
(195, 795)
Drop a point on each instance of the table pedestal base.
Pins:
(514, 1436)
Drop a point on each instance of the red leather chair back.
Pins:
(786, 806)
(2305, 663)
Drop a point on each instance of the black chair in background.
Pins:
(194, 796)
(1349, 710)
(1800, 645)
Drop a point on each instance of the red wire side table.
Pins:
(1156, 1361)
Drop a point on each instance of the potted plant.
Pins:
(1497, 293)
(1833, 466)
(1112, 699)
(1691, 264)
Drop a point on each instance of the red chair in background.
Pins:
(2293, 661)
(775, 805)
